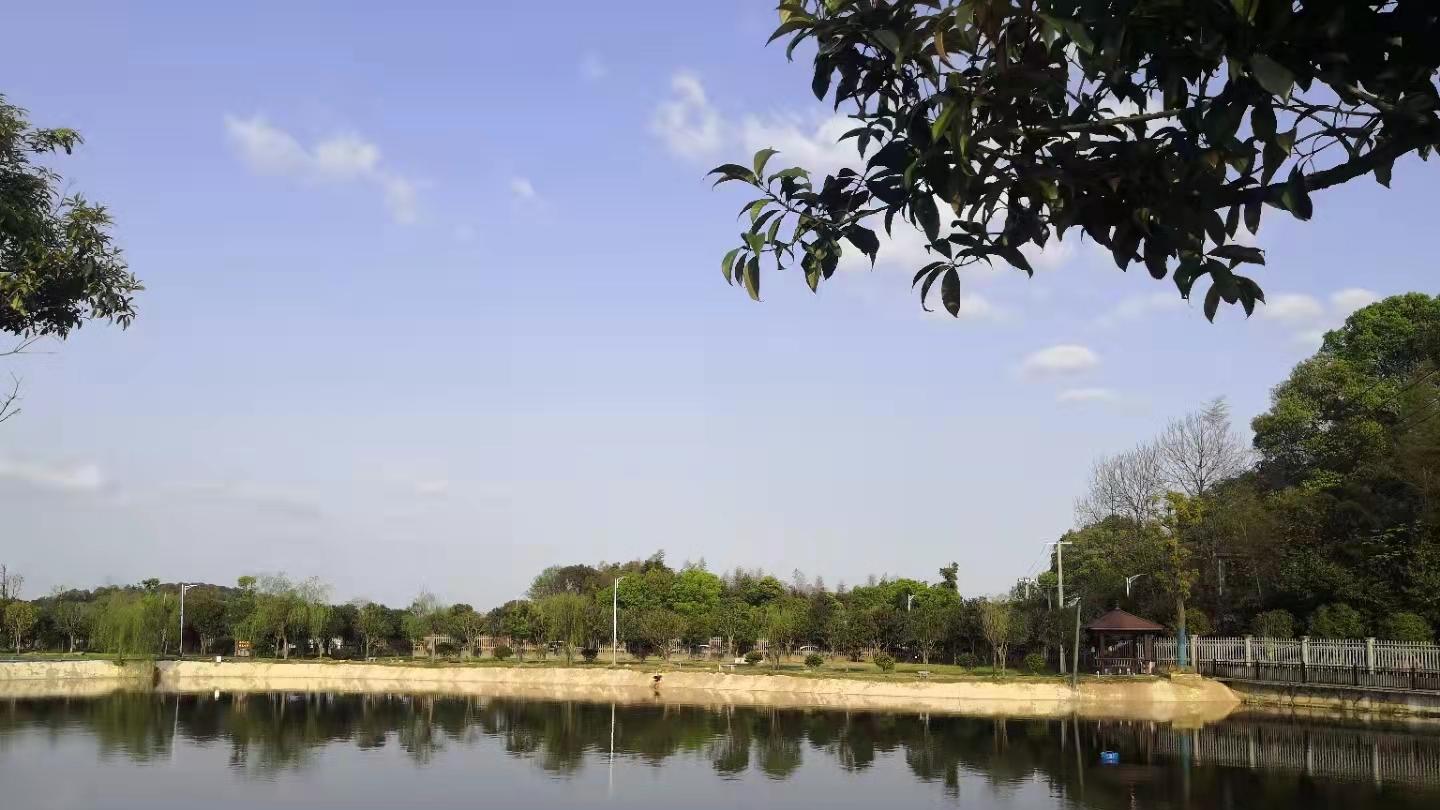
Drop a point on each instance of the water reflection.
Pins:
(1269, 762)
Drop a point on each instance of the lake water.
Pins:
(274, 750)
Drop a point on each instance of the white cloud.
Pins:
(344, 158)
(522, 188)
(82, 478)
(1293, 308)
(688, 124)
(1065, 358)
(1135, 307)
(433, 487)
(1087, 395)
(973, 307)
(1348, 300)
(817, 148)
(1310, 338)
(593, 68)
(247, 497)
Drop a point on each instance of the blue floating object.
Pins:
(1109, 757)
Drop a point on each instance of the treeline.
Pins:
(568, 611)
(1326, 526)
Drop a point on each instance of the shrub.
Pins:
(502, 652)
(1405, 626)
(884, 661)
(968, 660)
(590, 654)
(754, 657)
(1196, 622)
(1337, 621)
(446, 649)
(814, 661)
(1273, 624)
(1035, 663)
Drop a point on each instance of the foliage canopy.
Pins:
(1155, 127)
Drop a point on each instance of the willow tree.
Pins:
(1157, 128)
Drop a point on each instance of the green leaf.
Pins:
(812, 272)
(928, 216)
(732, 171)
(1212, 302)
(1262, 121)
(1382, 173)
(1155, 257)
(1252, 216)
(726, 262)
(820, 83)
(864, 240)
(1295, 197)
(761, 158)
(942, 122)
(789, 25)
(1074, 30)
(755, 208)
(793, 171)
(1273, 76)
(1012, 254)
(1246, 8)
(752, 277)
(950, 292)
(1240, 253)
(889, 39)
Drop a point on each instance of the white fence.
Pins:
(1369, 654)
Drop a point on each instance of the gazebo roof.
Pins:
(1118, 621)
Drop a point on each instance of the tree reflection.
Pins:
(266, 733)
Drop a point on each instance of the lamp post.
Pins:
(181, 645)
(1129, 580)
(615, 624)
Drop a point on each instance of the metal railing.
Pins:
(1336, 662)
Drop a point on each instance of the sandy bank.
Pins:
(1184, 701)
(1196, 700)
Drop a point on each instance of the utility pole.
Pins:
(1060, 587)
(1060, 569)
(615, 624)
(181, 639)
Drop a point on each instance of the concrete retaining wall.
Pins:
(1177, 700)
(1338, 698)
(1159, 699)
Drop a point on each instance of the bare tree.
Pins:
(10, 399)
(1131, 485)
(1201, 449)
(10, 584)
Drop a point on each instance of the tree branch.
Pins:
(1090, 126)
(1335, 175)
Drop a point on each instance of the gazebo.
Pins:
(1122, 643)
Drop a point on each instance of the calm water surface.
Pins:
(274, 750)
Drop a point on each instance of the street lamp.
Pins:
(1129, 580)
(181, 645)
(615, 624)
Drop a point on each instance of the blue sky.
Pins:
(433, 301)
